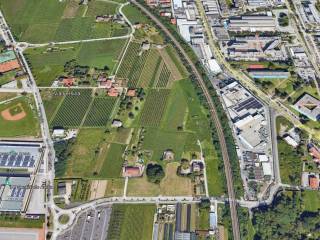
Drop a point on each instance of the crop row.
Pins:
(154, 107)
(164, 77)
(100, 112)
(73, 108)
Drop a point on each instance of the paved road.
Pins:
(249, 83)
(214, 116)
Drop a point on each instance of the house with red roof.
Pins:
(132, 171)
(313, 182)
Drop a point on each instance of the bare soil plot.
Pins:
(98, 189)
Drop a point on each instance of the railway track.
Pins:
(214, 116)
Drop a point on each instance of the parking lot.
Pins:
(91, 224)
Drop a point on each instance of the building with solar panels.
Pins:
(13, 192)
(15, 155)
(19, 162)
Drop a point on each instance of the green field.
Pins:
(47, 64)
(43, 21)
(147, 68)
(24, 127)
(113, 161)
(154, 107)
(84, 152)
(290, 163)
(73, 108)
(311, 200)
(100, 112)
(51, 100)
(134, 222)
(16, 221)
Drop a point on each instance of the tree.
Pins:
(155, 173)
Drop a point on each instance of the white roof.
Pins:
(266, 166)
(291, 141)
(263, 158)
(214, 66)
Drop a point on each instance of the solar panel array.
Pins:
(16, 160)
(248, 104)
(17, 193)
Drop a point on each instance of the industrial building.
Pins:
(252, 23)
(13, 192)
(254, 48)
(269, 74)
(251, 128)
(308, 106)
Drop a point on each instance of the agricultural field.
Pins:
(134, 222)
(47, 63)
(100, 112)
(50, 20)
(73, 108)
(51, 100)
(112, 164)
(151, 115)
(84, 152)
(19, 118)
(148, 68)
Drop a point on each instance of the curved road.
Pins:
(214, 116)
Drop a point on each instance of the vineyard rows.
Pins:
(154, 107)
(73, 109)
(100, 112)
(164, 77)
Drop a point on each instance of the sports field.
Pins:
(18, 118)
(42, 21)
(134, 222)
(47, 64)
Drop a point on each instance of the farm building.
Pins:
(67, 82)
(313, 182)
(132, 171)
(116, 123)
(269, 74)
(112, 92)
(309, 106)
(131, 92)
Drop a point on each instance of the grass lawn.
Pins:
(11, 221)
(51, 20)
(157, 141)
(203, 219)
(174, 185)
(142, 187)
(84, 153)
(283, 124)
(5, 96)
(7, 77)
(134, 222)
(25, 127)
(51, 100)
(290, 164)
(134, 15)
(47, 65)
(115, 187)
(113, 161)
(311, 200)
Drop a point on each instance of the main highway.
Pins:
(214, 116)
